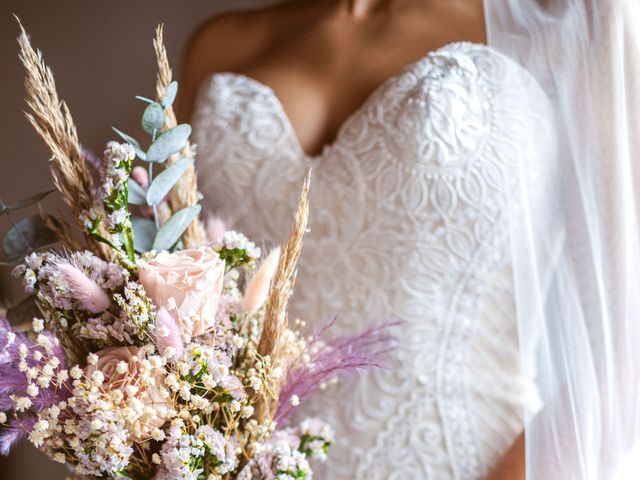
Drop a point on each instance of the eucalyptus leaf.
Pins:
(133, 142)
(170, 94)
(170, 142)
(173, 228)
(30, 200)
(137, 195)
(144, 232)
(21, 315)
(153, 118)
(29, 234)
(164, 182)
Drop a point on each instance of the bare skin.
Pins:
(323, 58)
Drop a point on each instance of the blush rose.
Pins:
(188, 283)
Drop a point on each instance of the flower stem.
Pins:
(153, 207)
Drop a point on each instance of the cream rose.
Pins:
(188, 284)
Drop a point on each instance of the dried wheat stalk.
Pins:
(185, 193)
(272, 339)
(53, 122)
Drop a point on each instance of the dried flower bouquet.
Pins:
(150, 350)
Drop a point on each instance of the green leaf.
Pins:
(21, 315)
(173, 228)
(26, 202)
(170, 142)
(137, 195)
(144, 232)
(170, 94)
(29, 234)
(153, 118)
(166, 180)
(133, 142)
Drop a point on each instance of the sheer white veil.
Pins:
(575, 233)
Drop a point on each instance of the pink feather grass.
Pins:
(336, 358)
(173, 339)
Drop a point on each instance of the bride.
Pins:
(459, 151)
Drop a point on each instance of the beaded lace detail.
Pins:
(408, 221)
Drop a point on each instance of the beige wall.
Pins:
(102, 56)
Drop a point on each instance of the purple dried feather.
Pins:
(338, 357)
(14, 432)
(14, 382)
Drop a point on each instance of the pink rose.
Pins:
(115, 377)
(123, 367)
(188, 284)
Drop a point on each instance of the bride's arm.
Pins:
(511, 465)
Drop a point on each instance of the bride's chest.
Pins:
(426, 159)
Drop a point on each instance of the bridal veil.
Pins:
(575, 233)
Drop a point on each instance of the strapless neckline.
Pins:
(315, 159)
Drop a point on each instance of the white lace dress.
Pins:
(407, 222)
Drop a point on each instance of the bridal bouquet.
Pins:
(150, 350)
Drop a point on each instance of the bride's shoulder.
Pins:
(225, 42)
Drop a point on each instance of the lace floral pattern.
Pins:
(408, 210)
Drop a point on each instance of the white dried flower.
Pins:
(38, 325)
(44, 342)
(247, 411)
(76, 372)
(97, 377)
(59, 457)
(122, 367)
(62, 376)
(21, 403)
(32, 390)
(255, 383)
(163, 332)
(92, 359)
(169, 352)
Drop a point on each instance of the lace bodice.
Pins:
(407, 221)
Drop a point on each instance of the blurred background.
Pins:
(102, 56)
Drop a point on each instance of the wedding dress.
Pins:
(407, 221)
